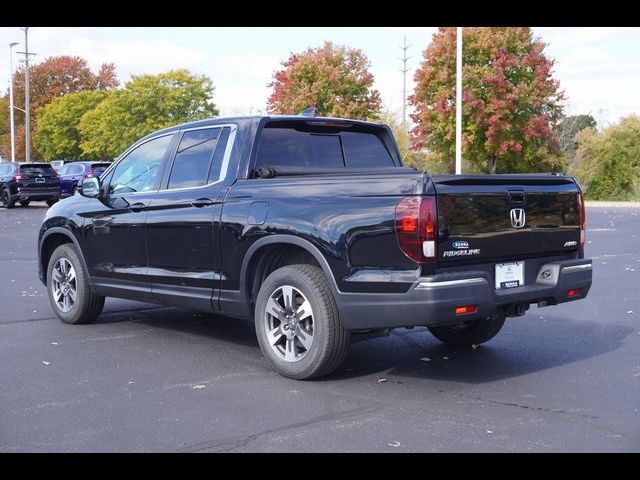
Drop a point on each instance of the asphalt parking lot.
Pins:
(149, 378)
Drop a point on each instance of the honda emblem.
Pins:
(518, 218)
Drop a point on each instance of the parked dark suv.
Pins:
(71, 173)
(26, 182)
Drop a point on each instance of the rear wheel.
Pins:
(52, 202)
(25, 203)
(68, 286)
(5, 199)
(297, 323)
(472, 332)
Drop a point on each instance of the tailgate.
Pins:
(506, 217)
(38, 177)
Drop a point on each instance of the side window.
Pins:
(62, 170)
(5, 170)
(193, 158)
(140, 169)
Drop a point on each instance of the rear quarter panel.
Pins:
(349, 218)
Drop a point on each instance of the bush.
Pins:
(608, 163)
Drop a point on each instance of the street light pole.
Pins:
(13, 138)
(27, 119)
(458, 100)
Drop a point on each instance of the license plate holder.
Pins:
(509, 275)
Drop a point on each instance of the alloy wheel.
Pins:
(289, 323)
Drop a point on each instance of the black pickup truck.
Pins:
(313, 228)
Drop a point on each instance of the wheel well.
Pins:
(268, 259)
(50, 243)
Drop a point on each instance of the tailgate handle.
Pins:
(515, 196)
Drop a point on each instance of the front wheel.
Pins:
(68, 286)
(297, 323)
(472, 332)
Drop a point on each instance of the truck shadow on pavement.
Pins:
(523, 346)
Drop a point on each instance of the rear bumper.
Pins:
(36, 195)
(432, 300)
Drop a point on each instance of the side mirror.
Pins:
(89, 187)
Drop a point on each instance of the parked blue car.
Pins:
(72, 173)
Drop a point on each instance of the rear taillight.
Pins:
(89, 174)
(582, 216)
(416, 228)
(18, 178)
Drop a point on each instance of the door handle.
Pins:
(137, 207)
(202, 202)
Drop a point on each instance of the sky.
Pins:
(598, 67)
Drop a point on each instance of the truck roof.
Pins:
(247, 119)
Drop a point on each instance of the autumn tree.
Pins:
(57, 134)
(510, 100)
(53, 78)
(608, 163)
(147, 103)
(334, 79)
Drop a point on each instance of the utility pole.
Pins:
(27, 100)
(13, 137)
(458, 100)
(404, 71)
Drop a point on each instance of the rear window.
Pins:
(365, 150)
(99, 167)
(284, 147)
(6, 169)
(37, 169)
(316, 147)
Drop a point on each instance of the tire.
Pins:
(5, 199)
(25, 203)
(87, 305)
(74, 191)
(469, 333)
(52, 202)
(285, 349)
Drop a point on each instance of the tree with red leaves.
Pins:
(334, 79)
(510, 100)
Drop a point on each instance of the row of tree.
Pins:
(513, 120)
(79, 114)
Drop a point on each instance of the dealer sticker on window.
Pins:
(509, 275)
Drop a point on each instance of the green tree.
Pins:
(608, 163)
(510, 100)
(147, 103)
(334, 79)
(57, 134)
